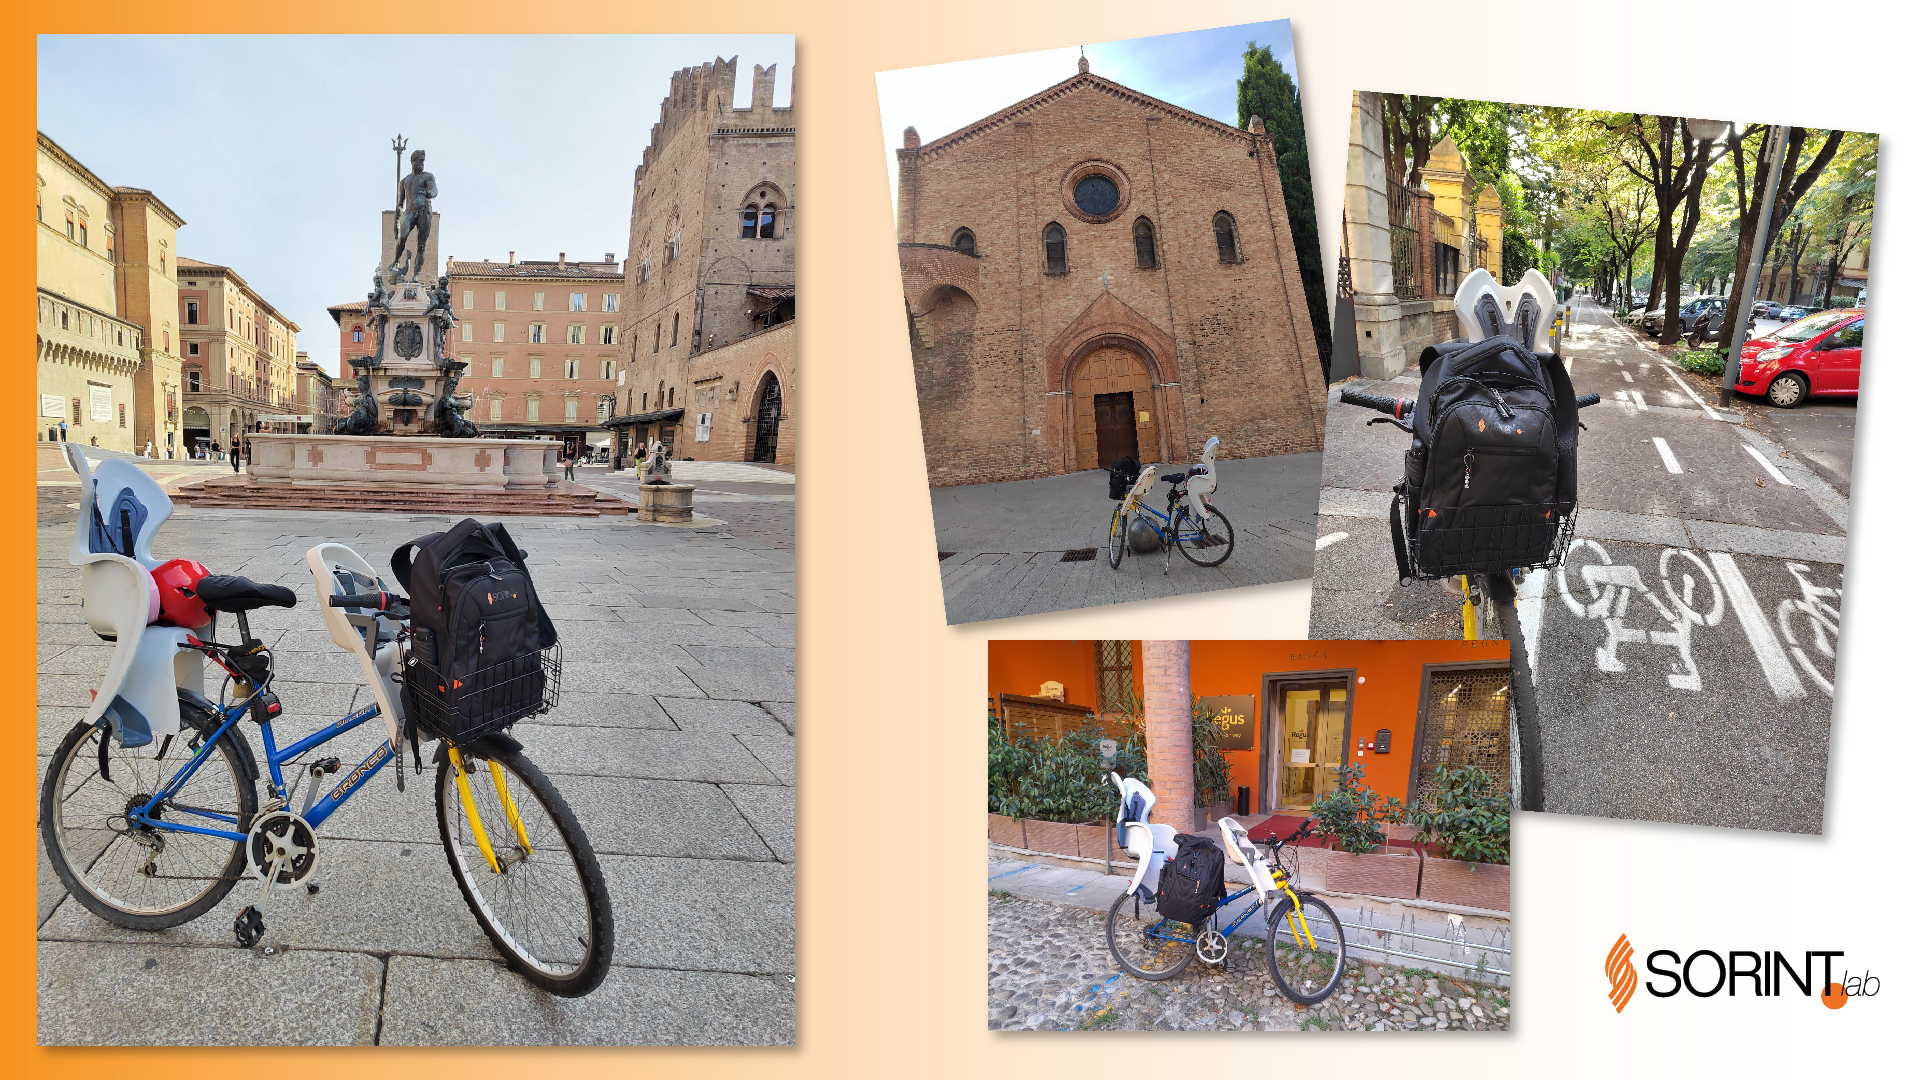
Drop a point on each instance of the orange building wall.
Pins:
(1389, 698)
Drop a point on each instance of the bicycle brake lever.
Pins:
(1401, 424)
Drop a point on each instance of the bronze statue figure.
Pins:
(365, 418)
(416, 195)
(449, 410)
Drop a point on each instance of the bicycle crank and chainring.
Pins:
(1211, 947)
(286, 839)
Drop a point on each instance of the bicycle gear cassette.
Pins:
(1211, 948)
(285, 839)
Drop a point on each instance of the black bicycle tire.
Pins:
(599, 959)
(1526, 703)
(236, 865)
(1117, 536)
(1186, 958)
(1187, 549)
(1279, 918)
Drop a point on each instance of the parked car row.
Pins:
(1816, 355)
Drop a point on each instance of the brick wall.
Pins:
(996, 344)
(1166, 681)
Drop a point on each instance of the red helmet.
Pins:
(175, 582)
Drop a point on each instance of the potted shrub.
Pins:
(1353, 816)
(1469, 823)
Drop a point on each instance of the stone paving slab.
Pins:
(462, 1002)
(204, 997)
(770, 811)
(653, 755)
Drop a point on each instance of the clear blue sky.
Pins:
(277, 150)
(1198, 70)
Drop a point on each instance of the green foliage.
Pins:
(1354, 813)
(1267, 91)
(1209, 765)
(1709, 361)
(1463, 813)
(1056, 779)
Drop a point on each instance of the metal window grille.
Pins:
(1402, 233)
(1115, 668)
(1466, 723)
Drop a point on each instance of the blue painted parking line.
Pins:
(1010, 873)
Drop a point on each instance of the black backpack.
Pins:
(1121, 478)
(480, 658)
(1490, 479)
(1194, 883)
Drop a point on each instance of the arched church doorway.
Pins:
(1114, 415)
(766, 432)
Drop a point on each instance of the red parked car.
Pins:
(1817, 355)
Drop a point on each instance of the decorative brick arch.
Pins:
(1106, 323)
(924, 268)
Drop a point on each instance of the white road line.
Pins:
(1682, 384)
(1620, 395)
(1666, 455)
(1328, 540)
(1778, 476)
(1639, 399)
(1627, 376)
(1527, 601)
(1766, 648)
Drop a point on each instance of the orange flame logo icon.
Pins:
(1620, 973)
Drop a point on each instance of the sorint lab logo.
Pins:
(1706, 973)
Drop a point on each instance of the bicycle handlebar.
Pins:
(1585, 400)
(1397, 408)
(379, 601)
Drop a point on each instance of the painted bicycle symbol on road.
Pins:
(1818, 624)
(1607, 590)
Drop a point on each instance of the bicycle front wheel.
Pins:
(1306, 973)
(1208, 543)
(1144, 944)
(541, 898)
(1117, 536)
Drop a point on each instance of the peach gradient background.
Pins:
(890, 757)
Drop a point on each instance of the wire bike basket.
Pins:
(461, 706)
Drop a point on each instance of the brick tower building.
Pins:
(1094, 273)
(709, 362)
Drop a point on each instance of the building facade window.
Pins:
(466, 331)
(359, 334)
(607, 336)
(573, 410)
(493, 408)
(539, 301)
(749, 222)
(963, 242)
(573, 367)
(1096, 195)
(610, 301)
(466, 300)
(1144, 255)
(533, 367)
(656, 337)
(577, 302)
(499, 331)
(499, 367)
(1226, 237)
(1056, 244)
(123, 415)
(533, 408)
(193, 314)
(576, 334)
(674, 341)
(193, 380)
(500, 301)
(766, 221)
(606, 370)
(537, 333)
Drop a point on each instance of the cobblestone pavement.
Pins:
(673, 742)
(1049, 969)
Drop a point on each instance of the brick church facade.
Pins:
(1094, 273)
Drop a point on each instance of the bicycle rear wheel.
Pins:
(140, 877)
(1204, 544)
(1307, 974)
(1144, 944)
(546, 908)
(1117, 536)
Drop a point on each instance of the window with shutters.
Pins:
(1114, 669)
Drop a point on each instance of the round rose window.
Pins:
(1096, 195)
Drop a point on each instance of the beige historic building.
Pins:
(313, 395)
(239, 361)
(707, 367)
(107, 363)
(1092, 273)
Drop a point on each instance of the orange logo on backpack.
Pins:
(1483, 425)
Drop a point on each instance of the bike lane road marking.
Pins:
(1766, 647)
(1688, 390)
(1666, 456)
(1329, 540)
(1778, 476)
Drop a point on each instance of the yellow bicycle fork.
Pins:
(1466, 609)
(473, 812)
(1296, 916)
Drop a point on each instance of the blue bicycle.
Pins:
(1305, 963)
(1191, 522)
(150, 823)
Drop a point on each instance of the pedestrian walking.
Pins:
(569, 462)
(233, 453)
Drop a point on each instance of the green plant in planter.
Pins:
(1463, 812)
(1353, 813)
(1062, 779)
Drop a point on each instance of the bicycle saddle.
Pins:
(231, 592)
(1174, 478)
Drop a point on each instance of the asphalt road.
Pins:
(1684, 651)
(1001, 545)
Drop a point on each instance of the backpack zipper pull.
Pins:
(1506, 411)
(1468, 461)
(483, 627)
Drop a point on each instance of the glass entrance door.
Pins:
(1311, 748)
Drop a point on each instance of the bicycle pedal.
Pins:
(249, 927)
